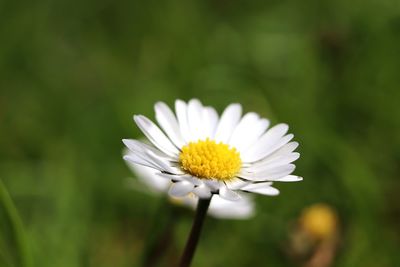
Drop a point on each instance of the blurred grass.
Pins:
(14, 248)
(72, 74)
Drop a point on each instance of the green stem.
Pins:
(194, 236)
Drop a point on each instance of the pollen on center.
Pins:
(208, 160)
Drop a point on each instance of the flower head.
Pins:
(320, 221)
(219, 207)
(315, 238)
(204, 154)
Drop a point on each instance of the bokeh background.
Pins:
(72, 74)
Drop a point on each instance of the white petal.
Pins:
(252, 135)
(181, 113)
(161, 162)
(262, 188)
(236, 184)
(135, 159)
(272, 140)
(229, 119)
(195, 119)
(257, 185)
(182, 177)
(167, 120)
(171, 177)
(137, 154)
(226, 209)
(223, 209)
(268, 191)
(194, 180)
(138, 146)
(282, 159)
(283, 141)
(148, 177)
(283, 151)
(141, 153)
(202, 191)
(228, 194)
(180, 189)
(290, 178)
(257, 131)
(212, 184)
(268, 175)
(156, 136)
(243, 128)
(210, 122)
(268, 164)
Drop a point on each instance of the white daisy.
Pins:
(204, 154)
(219, 207)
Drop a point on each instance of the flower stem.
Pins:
(191, 243)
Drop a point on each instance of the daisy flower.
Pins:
(206, 154)
(219, 207)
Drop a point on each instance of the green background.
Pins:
(72, 74)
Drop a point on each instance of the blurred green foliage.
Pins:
(72, 74)
(14, 248)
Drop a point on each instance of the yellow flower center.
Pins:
(209, 160)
